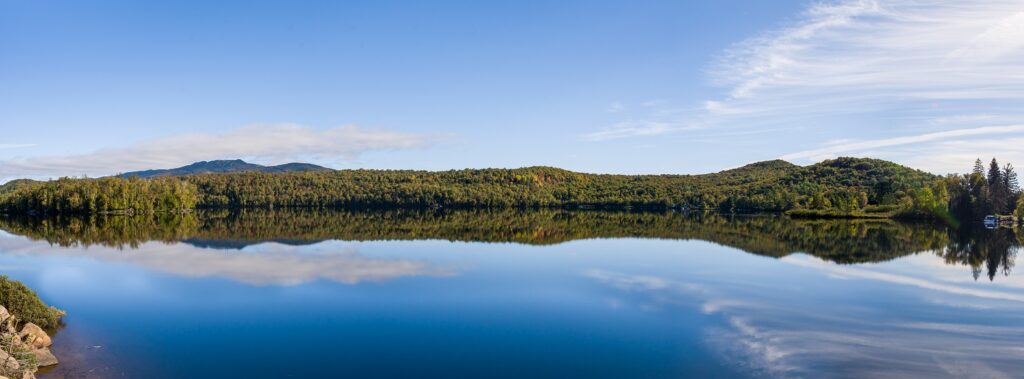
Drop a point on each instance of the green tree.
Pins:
(998, 193)
(1020, 209)
(1012, 186)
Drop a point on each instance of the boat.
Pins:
(991, 221)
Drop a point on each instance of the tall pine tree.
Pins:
(1012, 188)
(998, 193)
(979, 168)
(995, 173)
(1010, 179)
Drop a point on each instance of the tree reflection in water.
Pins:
(840, 241)
(985, 250)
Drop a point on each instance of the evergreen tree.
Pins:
(997, 190)
(995, 174)
(979, 168)
(977, 191)
(1010, 179)
(1012, 189)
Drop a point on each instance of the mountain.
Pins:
(17, 184)
(224, 166)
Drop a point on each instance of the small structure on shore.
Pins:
(991, 221)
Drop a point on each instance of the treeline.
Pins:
(984, 192)
(844, 187)
(969, 197)
(103, 195)
(841, 186)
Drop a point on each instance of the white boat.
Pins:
(991, 221)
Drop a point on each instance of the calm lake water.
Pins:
(542, 294)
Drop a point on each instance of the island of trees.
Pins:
(843, 187)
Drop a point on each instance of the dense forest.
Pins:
(844, 187)
(110, 194)
(844, 183)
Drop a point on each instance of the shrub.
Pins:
(21, 301)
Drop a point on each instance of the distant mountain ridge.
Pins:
(224, 166)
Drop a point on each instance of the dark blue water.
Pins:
(595, 307)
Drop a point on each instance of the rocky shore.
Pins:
(24, 348)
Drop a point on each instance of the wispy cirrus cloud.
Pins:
(15, 145)
(269, 143)
(878, 55)
(850, 68)
(649, 118)
(832, 150)
(637, 129)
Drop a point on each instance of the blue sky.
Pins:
(102, 87)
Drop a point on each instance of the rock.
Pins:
(44, 357)
(8, 361)
(34, 337)
(7, 320)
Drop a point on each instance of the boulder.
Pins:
(9, 362)
(44, 357)
(7, 320)
(34, 337)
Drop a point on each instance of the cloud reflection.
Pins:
(852, 272)
(265, 264)
(782, 331)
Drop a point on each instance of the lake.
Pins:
(512, 294)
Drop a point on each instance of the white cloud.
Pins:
(850, 68)
(636, 129)
(963, 119)
(833, 149)
(645, 119)
(879, 51)
(939, 155)
(1003, 38)
(270, 143)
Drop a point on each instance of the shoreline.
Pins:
(24, 345)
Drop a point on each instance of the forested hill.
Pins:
(224, 166)
(16, 184)
(844, 186)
